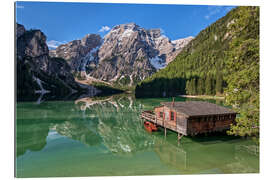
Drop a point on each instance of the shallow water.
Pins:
(105, 137)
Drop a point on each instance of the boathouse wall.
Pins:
(182, 123)
(214, 123)
(176, 122)
(195, 124)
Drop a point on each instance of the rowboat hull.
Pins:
(150, 126)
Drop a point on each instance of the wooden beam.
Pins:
(179, 136)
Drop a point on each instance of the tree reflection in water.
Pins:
(119, 124)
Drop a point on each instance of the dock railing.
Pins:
(149, 115)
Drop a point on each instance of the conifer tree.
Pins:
(219, 82)
(208, 85)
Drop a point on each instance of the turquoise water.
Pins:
(105, 137)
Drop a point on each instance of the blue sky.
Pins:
(63, 22)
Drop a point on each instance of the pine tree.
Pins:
(208, 85)
(193, 86)
(219, 83)
(188, 89)
(200, 86)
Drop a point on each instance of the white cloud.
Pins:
(19, 7)
(207, 17)
(213, 10)
(53, 44)
(104, 29)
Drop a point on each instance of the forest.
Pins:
(223, 60)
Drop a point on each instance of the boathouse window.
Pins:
(172, 116)
(161, 114)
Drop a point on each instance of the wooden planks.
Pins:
(148, 115)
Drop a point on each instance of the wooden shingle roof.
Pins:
(198, 108)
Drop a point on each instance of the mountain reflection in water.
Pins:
(109, 128)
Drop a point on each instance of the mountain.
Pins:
(201, 67)
(79, 52)
(37, 73)
(125, 56)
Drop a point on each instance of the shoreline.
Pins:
(203, 96)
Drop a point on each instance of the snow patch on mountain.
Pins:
(115, 77)
(160, 38)
(181, 43)
(126, 33)
(39, 82)
(131, 80)
(89, 57)
(157, 62)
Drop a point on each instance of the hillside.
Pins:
(223, 58)
(200, 67)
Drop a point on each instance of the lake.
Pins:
(104, 136)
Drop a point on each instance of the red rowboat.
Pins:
(150, 126)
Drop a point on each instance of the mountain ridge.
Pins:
(39, 74)
(126, 55)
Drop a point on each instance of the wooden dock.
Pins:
(161, 122)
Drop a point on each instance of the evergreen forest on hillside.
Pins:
(222, 60)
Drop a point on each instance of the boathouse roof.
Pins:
(198, 108)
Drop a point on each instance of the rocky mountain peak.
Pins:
(127, 54)
(130, 26)
(91, 40)
(19, 30)
(155, 33)
(32, 44)
(37, 73)
(79, 52)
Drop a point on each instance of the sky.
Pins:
(64, 21)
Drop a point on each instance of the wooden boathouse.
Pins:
(190, 117)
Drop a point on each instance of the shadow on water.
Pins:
(39, 97)
(213, 138)
(113, 124)
(197, 158)
(95, 91)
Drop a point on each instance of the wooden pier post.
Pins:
(165, 131)
(179, 136)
